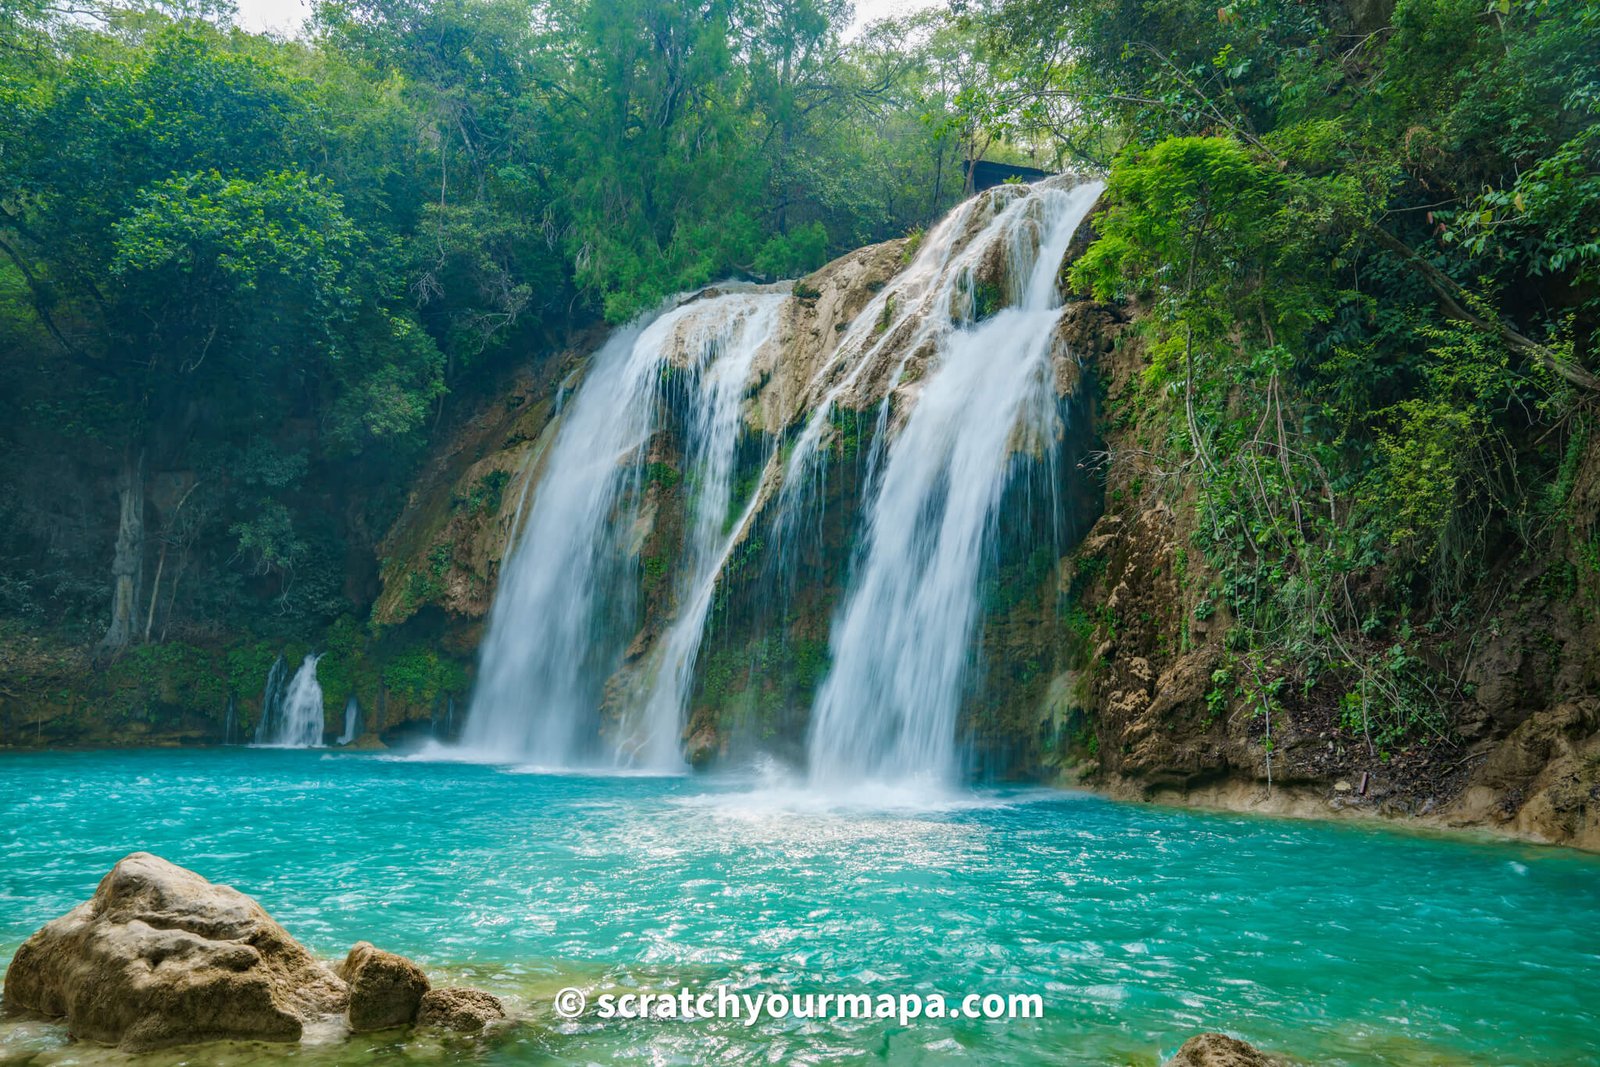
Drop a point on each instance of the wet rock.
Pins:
(703, 747)
(1219, 1050)
(160, 956)
(468, 1011)
(385, 989)
(1542, 781)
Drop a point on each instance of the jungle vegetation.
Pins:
(1365, 238)
(246, 281)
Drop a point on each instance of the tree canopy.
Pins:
(243, 272)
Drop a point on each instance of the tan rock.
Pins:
(385, 989)
(1219, 1050)
(160, 956)
(468, 1011)
(1543, 780)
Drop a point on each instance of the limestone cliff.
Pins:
(853, 338)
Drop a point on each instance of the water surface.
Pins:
(1139, 926)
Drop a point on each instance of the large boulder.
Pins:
(1219, 1050)
(160, 956)
(468, 1011)
(385, 989)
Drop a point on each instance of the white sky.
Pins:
(285, 16)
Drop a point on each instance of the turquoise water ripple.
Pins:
(1139, 926)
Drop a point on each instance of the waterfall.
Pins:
(292, 717)
(352, 721)
(228, 718)
(907, 320)
(271, 701)
(906, 632)
(564, 612)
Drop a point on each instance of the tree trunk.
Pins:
(127, 564)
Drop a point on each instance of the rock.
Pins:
(468, 1011)
(1219, 1050)
(385, 989)
(703, 747)
(160, 956)
(1543, 780)
(1342, 786)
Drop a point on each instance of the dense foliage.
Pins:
(1367, 237)
(243, 276)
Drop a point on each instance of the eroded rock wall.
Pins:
(1155, 708)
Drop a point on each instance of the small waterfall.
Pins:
(228, 720)
(908, 319)
(903, 639)
(564, 612)
(272, 701)
(294, 719)
(352, 721)
(726, 355)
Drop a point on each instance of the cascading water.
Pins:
(961, 407)
(902, 642)
(272, 701)
(563, 613)
(294, 720)
(715, 408)
(352, 721)
(907, 320)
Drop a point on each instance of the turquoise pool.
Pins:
(1138, 926)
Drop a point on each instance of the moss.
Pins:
(175, 675)
(421, 675)
(485, 495)
(347, 667)
(247, 664)
(987, 298)
(760, 685)
(847, 434)
(426, 585)
(886, 316)
(664, 475)
(913, 243)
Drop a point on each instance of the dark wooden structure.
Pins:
(982, 174)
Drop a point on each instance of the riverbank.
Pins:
(1467, 819)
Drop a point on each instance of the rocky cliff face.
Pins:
(1160, 712)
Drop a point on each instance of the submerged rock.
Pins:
(1219, 1050)
(385, 988)
(468, 1011)
(160, 956)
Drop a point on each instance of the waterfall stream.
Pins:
(292, 717)
(563, 615)
(272, 700)
(904, 638)
(352, 721)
